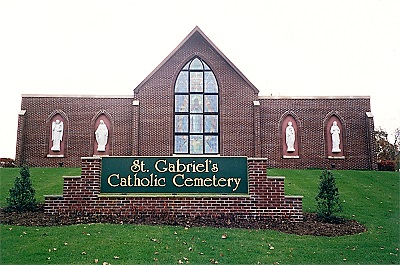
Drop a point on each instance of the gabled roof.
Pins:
(197, 30)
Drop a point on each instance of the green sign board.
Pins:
(174, 175)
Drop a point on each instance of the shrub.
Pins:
(22, 195)
(328, 202)
(7, 162)
(386, 165)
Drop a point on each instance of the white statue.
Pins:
(335, 131)
(57, 130)
(101, 136)
(290, 137)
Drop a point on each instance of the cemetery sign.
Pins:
(174, 175)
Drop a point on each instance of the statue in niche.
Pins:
(290, 137)
(335, 131)
(101, 136)
(57, 130)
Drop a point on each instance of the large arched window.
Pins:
(196, 118)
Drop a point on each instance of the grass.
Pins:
(46, 181)
(371, 197)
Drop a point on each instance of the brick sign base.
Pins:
(266, 199)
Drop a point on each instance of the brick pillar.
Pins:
(371, 141)
(135, 128)
(257, 169)
(257, 129)
(19, 155)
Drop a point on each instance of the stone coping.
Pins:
(53, 196)
(294, 197)
(72, 177)
(314, 97)
(290, 157)
(257, 158)
(74, 96)
(172, 195)
(132, 96)
(276, 177)
(248, 158)
(336, 157)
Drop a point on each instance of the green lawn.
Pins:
(46, 181)
(371, 197)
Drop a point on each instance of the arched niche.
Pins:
(57, 134)
(102, 134)
(334, 136)
(290, 136)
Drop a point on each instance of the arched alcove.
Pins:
(102, 134)
(289, 135)
(57, 134)
(334, 136)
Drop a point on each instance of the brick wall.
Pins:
(266, 198)
(311, 115)
(34, 128)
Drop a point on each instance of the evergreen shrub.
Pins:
(328, 202)
(22, 195)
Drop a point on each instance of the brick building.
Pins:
(196, 102)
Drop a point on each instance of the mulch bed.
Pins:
(311, 224)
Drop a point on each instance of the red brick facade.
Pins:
(249, 125)
(266, 198)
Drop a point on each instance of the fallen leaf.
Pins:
(271, 247)
(96, 260)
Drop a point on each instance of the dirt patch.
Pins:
(311, 224)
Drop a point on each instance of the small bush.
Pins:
(328, 202)
(386, 165)
(22, 195)
(7, 162)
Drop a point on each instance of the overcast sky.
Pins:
(288, 48)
